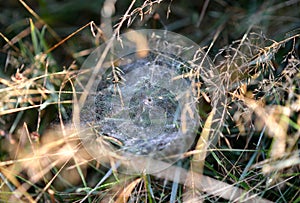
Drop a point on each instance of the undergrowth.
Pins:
(255, 47)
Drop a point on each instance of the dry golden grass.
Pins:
(257, 154)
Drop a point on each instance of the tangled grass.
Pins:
(255, 47)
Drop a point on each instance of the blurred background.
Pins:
(198, 20)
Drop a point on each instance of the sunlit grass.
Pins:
(257, 152)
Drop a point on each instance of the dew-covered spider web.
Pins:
(143, 102)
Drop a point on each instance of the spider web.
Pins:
(145, 113)
(147, 106)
